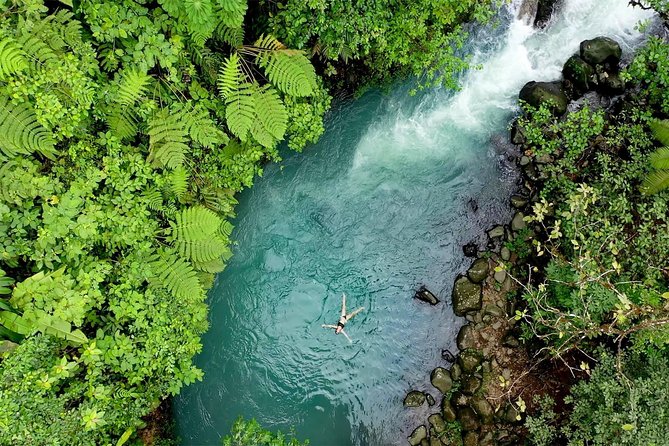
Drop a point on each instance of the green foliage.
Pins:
(21, 133)
(12, 58)
(251, 433)
(658, 179)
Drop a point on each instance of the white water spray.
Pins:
(443, 126)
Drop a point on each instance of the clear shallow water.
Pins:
(381, 205)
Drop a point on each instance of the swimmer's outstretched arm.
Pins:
(350, 316)
(343, 304)
(329, 326)
(349, 339)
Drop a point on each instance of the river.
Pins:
(381, 205)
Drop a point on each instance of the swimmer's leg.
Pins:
(350, 316)
(329, 326)
(343, 305)
(349, 339)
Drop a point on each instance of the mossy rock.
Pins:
(437, 422)
(478, 272)
(579, 73)
(545, 93)
(414, 398)
(447, 410)
(470, 385)
(470, 439)
(419, 434)
(441, 379)
(601, 50)
(469, 360)
(468, 419)
(483, 408)
(467, 296)
(466, 337)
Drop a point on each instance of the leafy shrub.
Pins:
(250, 433)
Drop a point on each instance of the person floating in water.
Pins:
(339, 328)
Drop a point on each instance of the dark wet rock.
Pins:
(548, 93)
(518, 222)
(518, 202)
(612, 84)
(478, 272)
(545, 9)
(456, 372)
(447, 410)
(470, 439)
(500, 275)
(527, 11)
(469, 360)
(530, 171)
(467, 296)
(510, 341)
(483, 409)
(579, 73)
(470, 249)
(419, 434)
(470, 385)
(601, 50)
(414, 398)
(447, 356)
(487, 439)
(441, 379)
(430, 399)
(496, 232)
(517, 134)
(426, 296)
(437, 423)
(466, 337)
(468, 419)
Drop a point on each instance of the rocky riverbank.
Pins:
(490, 384)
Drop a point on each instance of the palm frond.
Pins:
(660, 129)
(655, 182)
(659, 159)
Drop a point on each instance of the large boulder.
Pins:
(548, 93)
(447, 410)
(437, 423)
(466, 337)
(441, 379)
(478, 271)
(469, 360)
(419, 434)
(579, 73)
(483, 408)
(545, 10)
(470, 385)
(468, 419)
(467, 296)
(601, 50)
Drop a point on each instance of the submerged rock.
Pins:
(470, 249)
(441, 379)
(414, 398)
(478, 272)
(430, 399)
(419, 434)
(601, 50)
(467, 296)
(447, 356)
(548, 93)
(426, 296)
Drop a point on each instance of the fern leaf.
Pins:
(5, 283)
(212, 266)
(218, 200)
(167, 137)
(202, 129)
(271, 113)
(240, 110)
(20, 133)
(132, 86)
(123, 122)
(154, 199)
(195, 234)
(37, 51)
(178, 182)
(289, 70)
(660, 129)
(659, 159)
(12, 58)
(655, 182)
(232, 36)
(176, 275)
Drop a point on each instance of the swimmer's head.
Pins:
(338, 329)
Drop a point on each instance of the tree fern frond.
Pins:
(37, 51)
(660, 129)
(122, 121)
(178, 182)
(271, 112)
(195, 234)
(232, 36)
(212, 266)
(218, 200)
(201, 128)
(270, 43)
(226, 228)
(655, 182)
(240, 111)
(20, 133)
(12, 58)
(229, 76)
(659, 159)
(293, 74)
(131, 86)
(154, 199)
(176, 275)
(167, 137)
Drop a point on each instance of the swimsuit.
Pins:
(340, 324)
